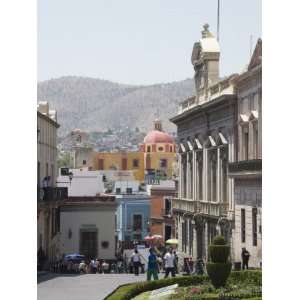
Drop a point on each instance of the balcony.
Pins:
(245, 167)
(214, 209)
(187, 104)
(183, 204)
(49, 194)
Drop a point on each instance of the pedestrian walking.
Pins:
(82, 267)
(169, 263)
(93, 266)
(245, 258)
(136, 260)
(105, 267)
(98, 267)
(152, 266)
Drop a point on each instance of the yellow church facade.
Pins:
(154, 160)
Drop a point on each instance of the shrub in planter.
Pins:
(218, 268)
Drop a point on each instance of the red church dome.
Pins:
(156, 136)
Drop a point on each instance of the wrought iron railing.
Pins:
(212, 208)
(245, 165)
(203, 207)
(48, 194)
(183, 204)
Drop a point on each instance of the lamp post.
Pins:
(70, 177)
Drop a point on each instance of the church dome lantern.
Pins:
(158, 135)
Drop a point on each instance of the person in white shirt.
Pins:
(105, 267)
(82, 267)
(136, 260)
(169, 263)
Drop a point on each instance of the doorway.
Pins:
(168, 232)
(89, 243)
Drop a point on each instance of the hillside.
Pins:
(95, 104)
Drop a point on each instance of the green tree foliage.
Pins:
(64, 160)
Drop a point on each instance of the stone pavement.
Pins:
(82, 287)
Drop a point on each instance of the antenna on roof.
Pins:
(218, 21)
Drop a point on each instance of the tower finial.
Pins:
(157, 125)
(205, 32)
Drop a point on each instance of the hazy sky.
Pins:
(140, 41)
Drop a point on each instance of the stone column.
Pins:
(251, 141)
(230, 192)
(187, 175)
(206, 237)
(205, 172)
(194, 175)
(180, 176)
(191, 171)
(219, 177)
(240, 143)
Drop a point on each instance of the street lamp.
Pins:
(70, 177)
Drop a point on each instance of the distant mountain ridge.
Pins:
(96, 104)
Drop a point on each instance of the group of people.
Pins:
(82, 267)
(169, 262)
(157, 262)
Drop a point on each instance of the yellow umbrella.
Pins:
(172, 242)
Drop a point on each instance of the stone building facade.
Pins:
(247, 169)
(206, 133)
(219, 133)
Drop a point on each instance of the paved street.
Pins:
(81, 287)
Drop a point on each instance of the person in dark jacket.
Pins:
(245, 258)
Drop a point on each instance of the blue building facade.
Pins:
(132, 216)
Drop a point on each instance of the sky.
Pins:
(140, 41)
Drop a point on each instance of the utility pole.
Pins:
(218, 21)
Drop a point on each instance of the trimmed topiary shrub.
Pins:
(218, 253)
(219, 240)
(219, 268)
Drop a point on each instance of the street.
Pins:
(81, 287)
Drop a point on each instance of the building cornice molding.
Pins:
(226, 100)
(48, 119)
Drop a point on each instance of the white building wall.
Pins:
(83, 183)
(123, 185)
(104, 221)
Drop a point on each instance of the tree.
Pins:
(64, 160)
